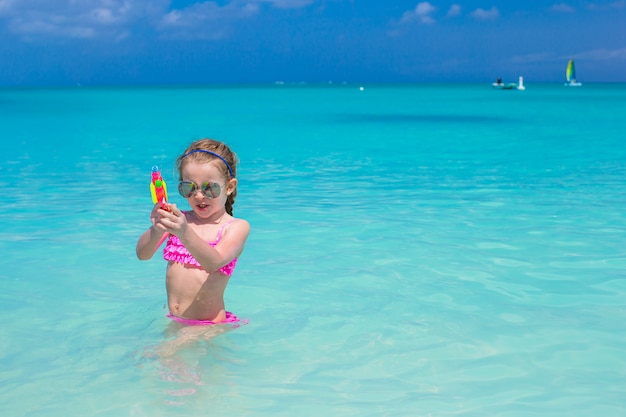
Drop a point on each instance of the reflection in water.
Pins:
(186, 360)
(179, 336)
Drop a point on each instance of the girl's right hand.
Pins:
(172, 220)
(155, 217)
(147, 243)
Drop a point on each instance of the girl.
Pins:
(205, 243)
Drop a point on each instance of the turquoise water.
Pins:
(419, 250)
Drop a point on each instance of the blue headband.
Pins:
(210, 153)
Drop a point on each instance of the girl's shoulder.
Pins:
(233, 219)
(236, 225)
(237, 222)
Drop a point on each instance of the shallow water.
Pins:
(415, 250)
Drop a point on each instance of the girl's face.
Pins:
(205, 188)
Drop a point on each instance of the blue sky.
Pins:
(129, 42)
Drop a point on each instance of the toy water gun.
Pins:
(158, 189)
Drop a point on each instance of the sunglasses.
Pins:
(209, 189)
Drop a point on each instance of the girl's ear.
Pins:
(231, 185)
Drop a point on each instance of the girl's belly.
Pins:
(193, 293)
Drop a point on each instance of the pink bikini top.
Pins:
(177, 252)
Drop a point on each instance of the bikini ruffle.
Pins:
(175, 251)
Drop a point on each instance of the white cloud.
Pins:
(421, 13)
(620, 4)
(117, 19)
(290, 4)
(75, 19)
(602, 54)
(193, 15)
(455, 10)
(590, 55)
(562, 8)
(483, 14)
(206, 20)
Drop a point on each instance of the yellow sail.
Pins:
(570, 75)
(570, 71)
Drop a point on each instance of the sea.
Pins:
(419, 250)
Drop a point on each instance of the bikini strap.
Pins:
(219, 232)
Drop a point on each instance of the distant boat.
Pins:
(570, 75)
(508, 86)
(503, 86)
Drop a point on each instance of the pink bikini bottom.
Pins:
(230, 318)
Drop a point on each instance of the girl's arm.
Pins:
(230, 246)
(148, 242)
(210, 258)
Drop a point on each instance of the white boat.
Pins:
(570, 75)
(509, 86)
(503, 86)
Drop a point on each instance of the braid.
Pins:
(230, 201)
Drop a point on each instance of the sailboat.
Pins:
(570, 75)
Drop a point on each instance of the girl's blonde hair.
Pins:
(207, 150)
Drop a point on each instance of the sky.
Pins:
(190, 42)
